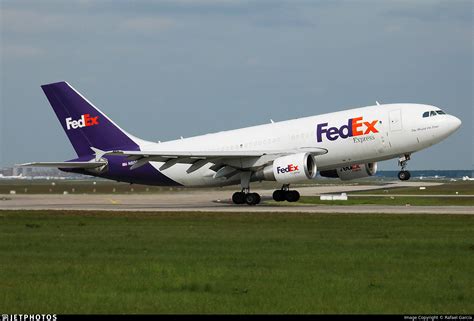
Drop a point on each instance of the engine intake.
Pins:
(289, 169)
(351, 172)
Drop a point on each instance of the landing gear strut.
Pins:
(245, 196)
(404, 175)
(284, 194)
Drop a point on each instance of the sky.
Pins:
(171, 68)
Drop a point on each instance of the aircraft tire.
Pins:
(252, 198)
(238, 198)
(279, 195)
(404, 175)
(292, 196)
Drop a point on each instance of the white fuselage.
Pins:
(381, 132)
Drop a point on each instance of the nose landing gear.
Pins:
(404, 175)
(284, 194)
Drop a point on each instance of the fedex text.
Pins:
(354, 127)
(85, 121)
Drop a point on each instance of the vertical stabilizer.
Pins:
(85, 125)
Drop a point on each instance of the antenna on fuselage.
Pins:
(377, 103)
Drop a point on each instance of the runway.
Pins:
(215, 201)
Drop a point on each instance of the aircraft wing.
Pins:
(65, 164)
(210, 154)
(235, 159)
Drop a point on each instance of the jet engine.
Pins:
(289, 169)
(351, 172)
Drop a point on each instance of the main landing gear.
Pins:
(284, 194)
(245, 196)
(404, 175)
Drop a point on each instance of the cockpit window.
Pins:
(433, 113)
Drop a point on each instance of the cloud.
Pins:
(147, 24)
(21, 51)
(24, 21)
(432, 12)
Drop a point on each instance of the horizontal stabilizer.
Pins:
(65, 164)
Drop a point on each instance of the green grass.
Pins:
(90, 186)
(86, 262)
(448, 188)
(390, 200)
(102, 186)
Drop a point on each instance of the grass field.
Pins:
(86, 262)
(448, 188)
(101, 186)
(391, 201)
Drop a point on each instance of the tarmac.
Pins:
(218, 201)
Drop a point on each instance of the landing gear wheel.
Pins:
(238, 198)
(404, 175)
(292, 196)
(252, 198)
(279, 195)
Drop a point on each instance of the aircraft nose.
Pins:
(455, 123)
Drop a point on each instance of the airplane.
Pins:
(344, 144)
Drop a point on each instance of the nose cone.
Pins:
(454, 123)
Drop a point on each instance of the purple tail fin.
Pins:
(84, 124)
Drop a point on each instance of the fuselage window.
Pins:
(426, 114)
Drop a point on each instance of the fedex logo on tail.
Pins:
(287, 169)
(85, 121)
(354, 127)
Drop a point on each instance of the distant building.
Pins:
(8, 171)
(37, 172)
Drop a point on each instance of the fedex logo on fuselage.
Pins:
(354, 127)
(85, 121)
(287, 169)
